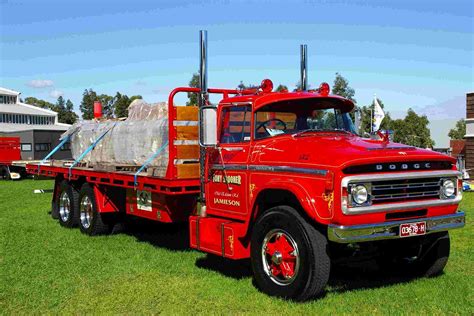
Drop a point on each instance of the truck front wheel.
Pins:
(65, 205)
(289, 257)
(91, 222)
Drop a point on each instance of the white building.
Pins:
(38, 129)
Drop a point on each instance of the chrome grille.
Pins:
(405, 190)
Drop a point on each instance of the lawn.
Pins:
(46, 268)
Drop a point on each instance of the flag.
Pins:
(378, 116)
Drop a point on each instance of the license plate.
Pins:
(412, 229)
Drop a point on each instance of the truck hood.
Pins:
(337, 150)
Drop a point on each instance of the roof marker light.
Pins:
(266, 86)
(324, 89)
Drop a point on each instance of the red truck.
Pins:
(281, 178)
(9, 152)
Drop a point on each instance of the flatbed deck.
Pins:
(120, 179)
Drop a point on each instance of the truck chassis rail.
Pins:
(120, 179)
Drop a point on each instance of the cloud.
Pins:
(454, 108)
(140, 83)
(40, 84)
(56, 94)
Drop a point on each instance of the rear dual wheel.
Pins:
(91, 222)
(289, 256)
(65, 206)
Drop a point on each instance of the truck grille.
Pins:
(405, 190)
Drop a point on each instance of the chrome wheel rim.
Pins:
(86, 212)
(280, 257)
(64, 206)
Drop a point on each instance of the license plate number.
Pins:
(412, 229)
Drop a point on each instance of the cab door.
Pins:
(226, 188)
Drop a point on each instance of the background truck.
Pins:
(281, 178)
(10, 152)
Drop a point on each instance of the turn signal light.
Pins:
(324, 89)
(266, 86)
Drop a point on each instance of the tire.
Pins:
(424, 257)
(5, 173)
(65, 206)
(91, 222)
(289, 256)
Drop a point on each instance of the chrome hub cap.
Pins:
(277, 258)
(280, 257)
(86, 212)
(64, 207)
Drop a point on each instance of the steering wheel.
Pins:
(263, 124)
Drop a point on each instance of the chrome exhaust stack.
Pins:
(203, 101)
(304, 67)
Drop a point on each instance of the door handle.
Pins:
(232, 148)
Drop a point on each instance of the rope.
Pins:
(53, 151)
(149, 160)
(92, 146)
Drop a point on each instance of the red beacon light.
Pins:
(324, 89)
(266, 86)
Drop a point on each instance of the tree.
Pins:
(243, 86)
(193, 83)
(459, 131)
(64, 109)
(121, 104)
(298, 87)
(39, 103)
(107, 102)
(412, 130)
(281, 88)
(87, 104)
(70, 117)
(341, 88)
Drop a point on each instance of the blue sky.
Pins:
(410, 53)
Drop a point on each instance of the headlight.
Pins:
(448, 188)
(359, 194)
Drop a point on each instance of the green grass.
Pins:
(49, 269)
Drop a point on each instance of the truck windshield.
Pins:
(315, 117)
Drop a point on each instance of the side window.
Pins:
(235, 126)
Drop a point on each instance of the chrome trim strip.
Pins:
(401, 205)
(271, 169)
(228, 167)
(390, 230)
(392, 147)
(401, 176)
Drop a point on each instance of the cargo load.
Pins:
(129, 142)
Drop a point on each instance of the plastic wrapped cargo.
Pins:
(126, 143)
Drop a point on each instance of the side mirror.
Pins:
(208, 127)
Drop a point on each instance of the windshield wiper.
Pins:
(320, 130)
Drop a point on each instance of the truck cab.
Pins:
(291, 185)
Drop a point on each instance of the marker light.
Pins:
(324, 89)
(266, 85)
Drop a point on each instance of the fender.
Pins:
(315, 203)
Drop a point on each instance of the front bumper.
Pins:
(390, 230)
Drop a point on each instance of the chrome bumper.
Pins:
(390, 230)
